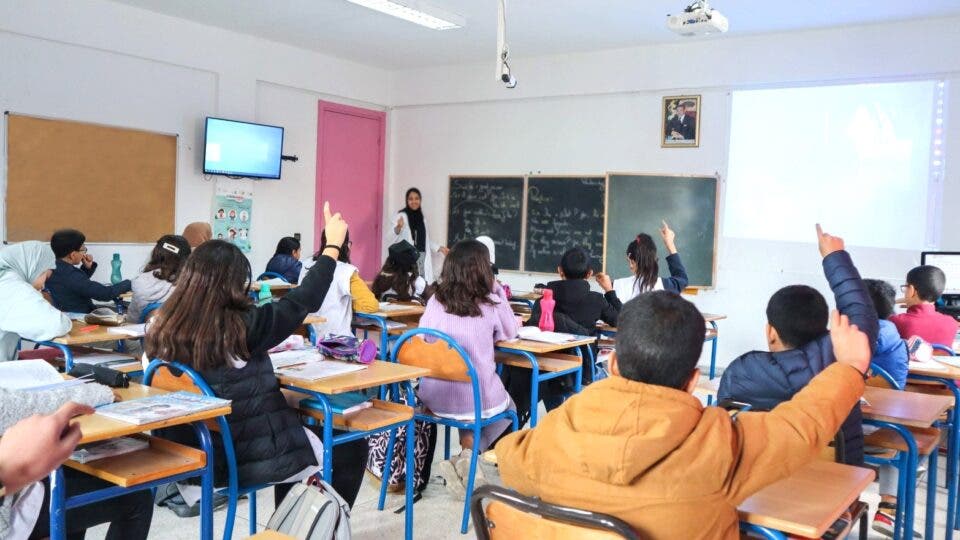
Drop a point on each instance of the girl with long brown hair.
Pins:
(642, 258)
(470, 306)
(211, 324)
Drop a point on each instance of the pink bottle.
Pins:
(546, 311)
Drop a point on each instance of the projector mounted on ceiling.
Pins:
(698, 19)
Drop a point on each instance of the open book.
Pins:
(533, 333)
(313, 371)
(293, 357)
(159, 408)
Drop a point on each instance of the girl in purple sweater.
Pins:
(472, 308)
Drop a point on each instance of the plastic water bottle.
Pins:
(264, 297)
(547, 304)
(115, 275)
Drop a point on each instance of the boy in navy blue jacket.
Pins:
(799, 342)
(71, 287)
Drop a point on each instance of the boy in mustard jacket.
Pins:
(640, 447)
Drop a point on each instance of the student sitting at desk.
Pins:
(800, 344)
(156, 282)
(924, 286)
(24, 313)
(71, 287)
(348, 293)
(640, 447)
(211, 323)
(472, 308)
(33, 445)
(398, 279)
(642, 258)
(286, 260)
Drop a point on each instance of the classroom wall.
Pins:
(101, 62)
(597, 112)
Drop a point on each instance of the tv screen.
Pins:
(242, 149)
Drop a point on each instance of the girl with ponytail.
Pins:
(642, 258)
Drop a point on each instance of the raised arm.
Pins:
(772, 445)
(849, 291)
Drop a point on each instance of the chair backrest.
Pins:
(149, 311)
(443, 357)
(271, 275)
(881, 378)
(511, 515)
(942, 350)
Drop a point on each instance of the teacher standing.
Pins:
(409, 226)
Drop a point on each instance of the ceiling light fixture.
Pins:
(416, 12)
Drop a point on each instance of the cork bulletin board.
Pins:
(117, 185)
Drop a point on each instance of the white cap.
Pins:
(487, 241)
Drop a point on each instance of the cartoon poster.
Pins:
(232, 208)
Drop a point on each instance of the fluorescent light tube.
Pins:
(435, 19)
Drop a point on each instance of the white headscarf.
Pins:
(487, 241)
(26, 260)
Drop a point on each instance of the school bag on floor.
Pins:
(312, 513)
(425, 442)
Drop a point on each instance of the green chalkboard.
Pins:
(491, 206)
(637, 203)
(562, 212)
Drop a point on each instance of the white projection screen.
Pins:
(859, 159)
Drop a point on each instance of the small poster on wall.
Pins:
(681, 122)
(232, 208)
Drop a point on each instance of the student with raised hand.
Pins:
(924, 286)
(211, 324)
(639, 446)
(24, 313)
(348, 293)
(70, 285)
(159, 276)
(286, 260)
(642, 258)
(799, 344)
(470, 306)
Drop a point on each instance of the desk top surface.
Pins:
(906, 408)
(376, 374)
(84, 334)
(804, 504)
(540, 347)
(951, 372)
(96, 427)
(406, 311)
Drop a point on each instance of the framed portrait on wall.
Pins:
(680, 122)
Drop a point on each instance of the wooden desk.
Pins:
(804, 504)
(98, 334)
(407, 311)
(314, 319)
(255, 286)
(904, 408)
(526, 295)
(951, 372)
(377, 373)
(538, 347)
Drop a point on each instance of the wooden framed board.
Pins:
(491, 206)
(118, 185)
(639, 202)
(562, 212)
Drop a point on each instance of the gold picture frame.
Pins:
(680, 122)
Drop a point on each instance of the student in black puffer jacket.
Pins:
(799, 344)
(210, 324)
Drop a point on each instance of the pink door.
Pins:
(350, 176)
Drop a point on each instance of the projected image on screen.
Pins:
(856, 158)
(242, 149)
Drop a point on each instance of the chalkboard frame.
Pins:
(523, 207)
(526, 207)
(716, 215)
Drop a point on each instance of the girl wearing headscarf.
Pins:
(409, 225)
(24, 313)
(197, 233)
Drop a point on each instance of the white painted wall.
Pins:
(96, 61)
(592, 113)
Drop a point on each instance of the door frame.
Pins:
(381, 118)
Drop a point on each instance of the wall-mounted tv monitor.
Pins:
(233, 148)
(949, 262)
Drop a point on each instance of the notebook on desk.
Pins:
(163, 407)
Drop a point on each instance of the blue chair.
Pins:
(271, 275)
(163, 374)
(148, 310)
(446, 360)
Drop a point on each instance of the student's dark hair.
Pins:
(884, 297)
(929, 281)
(168, 257)
(798, 313)
(659, 339)
(643, 252)
(287, 245)
(466, 280)
(344, 253)
(402, 279)
(201, 324)
(575, 263)
(66, 241)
